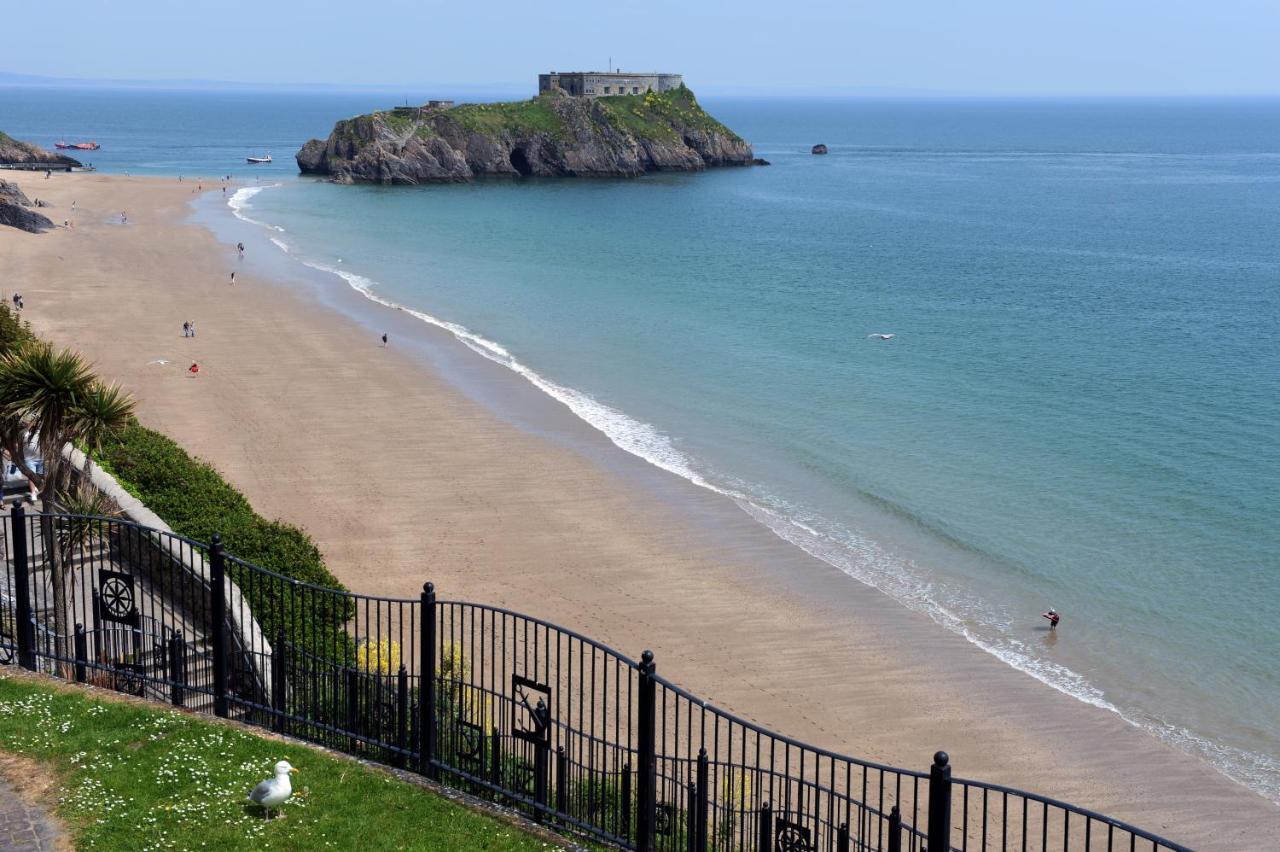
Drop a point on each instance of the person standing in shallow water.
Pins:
(233, 278)
(384, 341)
(1053, 617)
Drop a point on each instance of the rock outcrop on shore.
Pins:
(549, 136)
(15, 151)
(15, 210)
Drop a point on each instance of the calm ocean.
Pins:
(1080, 407)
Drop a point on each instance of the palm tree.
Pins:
(102, 413)
(51, 398)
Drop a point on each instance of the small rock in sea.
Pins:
(760, 161)
(819, 149)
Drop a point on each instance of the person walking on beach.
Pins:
(193, 328)
(384, 341)
(240, 248)
(1053, 617)
(233, 278)
(186, 329)
(124, 220)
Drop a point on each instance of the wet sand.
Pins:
(394, 460)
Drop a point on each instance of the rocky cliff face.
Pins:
(15, 210)
(552, 135)
(13, 151)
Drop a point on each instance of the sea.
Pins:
(1078, 408)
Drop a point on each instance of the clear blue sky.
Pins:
(977, 47)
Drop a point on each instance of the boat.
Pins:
(265, 158)
(77, 146)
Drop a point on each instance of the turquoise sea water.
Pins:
(1079, 408)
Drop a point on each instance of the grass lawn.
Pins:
(135, 776)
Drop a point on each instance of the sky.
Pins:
(971, 47)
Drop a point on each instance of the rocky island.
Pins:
(551, 135)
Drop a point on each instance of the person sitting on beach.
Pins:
(1053, 617)
(194, 369)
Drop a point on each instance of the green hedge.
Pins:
(197, 502)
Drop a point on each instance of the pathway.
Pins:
(24, 826)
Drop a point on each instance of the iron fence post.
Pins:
(540, 768)
(279, 686)
(625, 830)
(646, 769)
(495, 758)
(82, 653)
(402, 715)
(940, 802)
(562, 781)
(427, 688)
(842, 837)
(764, 834)
(218, 624)
(691, 816)
(22, 591)
(895, 830)
(177, 669)
(700, 815)
(352, 681)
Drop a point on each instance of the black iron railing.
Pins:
(500, 704)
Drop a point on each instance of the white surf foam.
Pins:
(239, 202)
(854, 554)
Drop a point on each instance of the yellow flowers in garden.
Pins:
(378, 657)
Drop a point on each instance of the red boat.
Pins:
(77, 146)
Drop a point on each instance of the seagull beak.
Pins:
(293, 770)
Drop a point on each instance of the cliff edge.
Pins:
(551, 135)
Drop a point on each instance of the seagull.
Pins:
(879, 336)
(160, 361)
(274, 791)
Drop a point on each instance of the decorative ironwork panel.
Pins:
(664, 819)
(115, 591)
(128, 678)
(531, 710)
(470, 744)
(791, 837)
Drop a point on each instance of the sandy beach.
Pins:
(401, 476)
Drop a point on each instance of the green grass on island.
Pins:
(654, 115)
(132, 776)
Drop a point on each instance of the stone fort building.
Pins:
(595, 84)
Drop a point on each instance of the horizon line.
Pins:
(15, 80)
